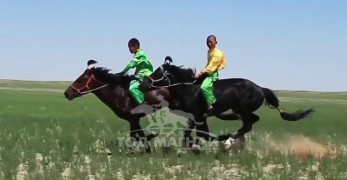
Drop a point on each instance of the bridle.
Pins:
(165, 77)
(86, 89)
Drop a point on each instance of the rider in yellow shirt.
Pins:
(215, 62)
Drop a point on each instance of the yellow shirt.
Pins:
(215, 61)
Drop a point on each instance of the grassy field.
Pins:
(44, 136)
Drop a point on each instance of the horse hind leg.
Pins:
(228, 117)
(248, 119)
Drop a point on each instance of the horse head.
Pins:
(168, 75)
(90, 80)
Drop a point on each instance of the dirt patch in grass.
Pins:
(301, 146)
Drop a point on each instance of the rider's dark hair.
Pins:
(134, 42)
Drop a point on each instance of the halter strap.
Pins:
(86, 86)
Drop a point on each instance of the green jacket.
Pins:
(142, 64)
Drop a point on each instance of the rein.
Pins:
(171, 85)
(165, 76)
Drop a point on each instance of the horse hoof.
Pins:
(181, 152)
(242, 138)
(224, 137)
(234, 135)
(134, 150)
(148, 150)
(108, 152)
(152, 135)
(196, 149)
(155, 134)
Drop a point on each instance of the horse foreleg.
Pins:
(145, 139)
(187, 138)
(202, 130)
(135, 128)
(133, 131)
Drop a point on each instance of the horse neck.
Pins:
(116, 98)
(182, 90)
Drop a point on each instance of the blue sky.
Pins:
(294, 45)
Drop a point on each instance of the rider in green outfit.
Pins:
(143, 68)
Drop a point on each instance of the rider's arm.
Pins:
(133, 63)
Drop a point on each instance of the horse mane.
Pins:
(104, 75)
(182, 74)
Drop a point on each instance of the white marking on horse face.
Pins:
(91, 66)
(112, 71)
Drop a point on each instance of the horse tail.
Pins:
(273, 102)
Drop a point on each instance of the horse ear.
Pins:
(168, 60)
(91, 63)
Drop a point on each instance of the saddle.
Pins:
(124, 79)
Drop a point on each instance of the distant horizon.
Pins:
(67, 81)
(276, 44)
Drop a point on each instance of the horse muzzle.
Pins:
(70, 94)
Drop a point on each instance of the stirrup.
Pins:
(208, 113)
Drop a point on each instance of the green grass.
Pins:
(317, 95)
(34, 84)
(45, 136)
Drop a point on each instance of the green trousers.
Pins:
(135, 92)
(207, 88)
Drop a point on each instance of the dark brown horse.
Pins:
(112, 90)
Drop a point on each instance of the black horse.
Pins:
(242, 96)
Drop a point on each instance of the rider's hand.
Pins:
(197, 75)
